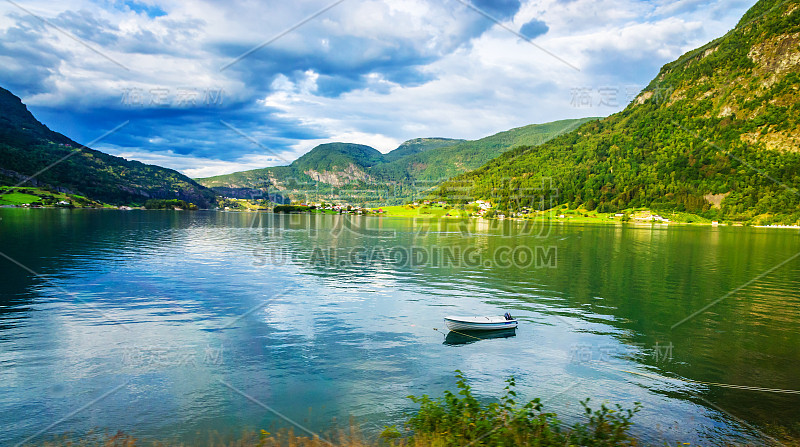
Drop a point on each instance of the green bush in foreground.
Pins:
(458, 420)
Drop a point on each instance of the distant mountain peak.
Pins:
(424, 140)
(339, 155)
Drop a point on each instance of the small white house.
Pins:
(483, 204)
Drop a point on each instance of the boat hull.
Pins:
(467, 337)
(465, 325)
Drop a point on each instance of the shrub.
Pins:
(457, 420)
(169, 204)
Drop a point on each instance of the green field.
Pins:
(16, 198)
(418, 211)
(45, 197)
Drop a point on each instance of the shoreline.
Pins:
(565, 220)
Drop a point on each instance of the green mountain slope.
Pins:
(443, 163)
(419, 145)
(28, 147)
(416, 164)
(331, 156)
(332, 163)
(716, 132)
(337, 163)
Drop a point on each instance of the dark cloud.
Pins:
(333, 86)
(344, 60)
(499, 9)
(534, 29)
(28, 62)
(175, 39)
(195, 131)
(409, 76)
(343, 67)
(85, 26)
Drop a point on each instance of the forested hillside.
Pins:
(418, 146)
(28, 147)
(715, 133)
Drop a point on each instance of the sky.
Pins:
(213, 87)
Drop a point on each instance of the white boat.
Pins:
(491, 323)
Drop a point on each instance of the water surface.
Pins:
(171, 325)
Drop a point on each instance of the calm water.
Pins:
(172, 325)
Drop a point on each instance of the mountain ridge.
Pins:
(415, 165)
(32, 154)
(418, 146)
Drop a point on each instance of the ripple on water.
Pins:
(174, 304)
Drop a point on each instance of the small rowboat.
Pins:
(480, 323)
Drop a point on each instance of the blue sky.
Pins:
(366, 71)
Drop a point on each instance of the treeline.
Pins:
(169, 204)
(292, 209)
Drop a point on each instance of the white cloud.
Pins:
(469, 83)
(501, 81)
(195, 167)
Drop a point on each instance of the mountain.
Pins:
(29, 148)
(715, 133)
(434, 166)
(414, 166)
(338, 163)
(418, 146)
(331, 163)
